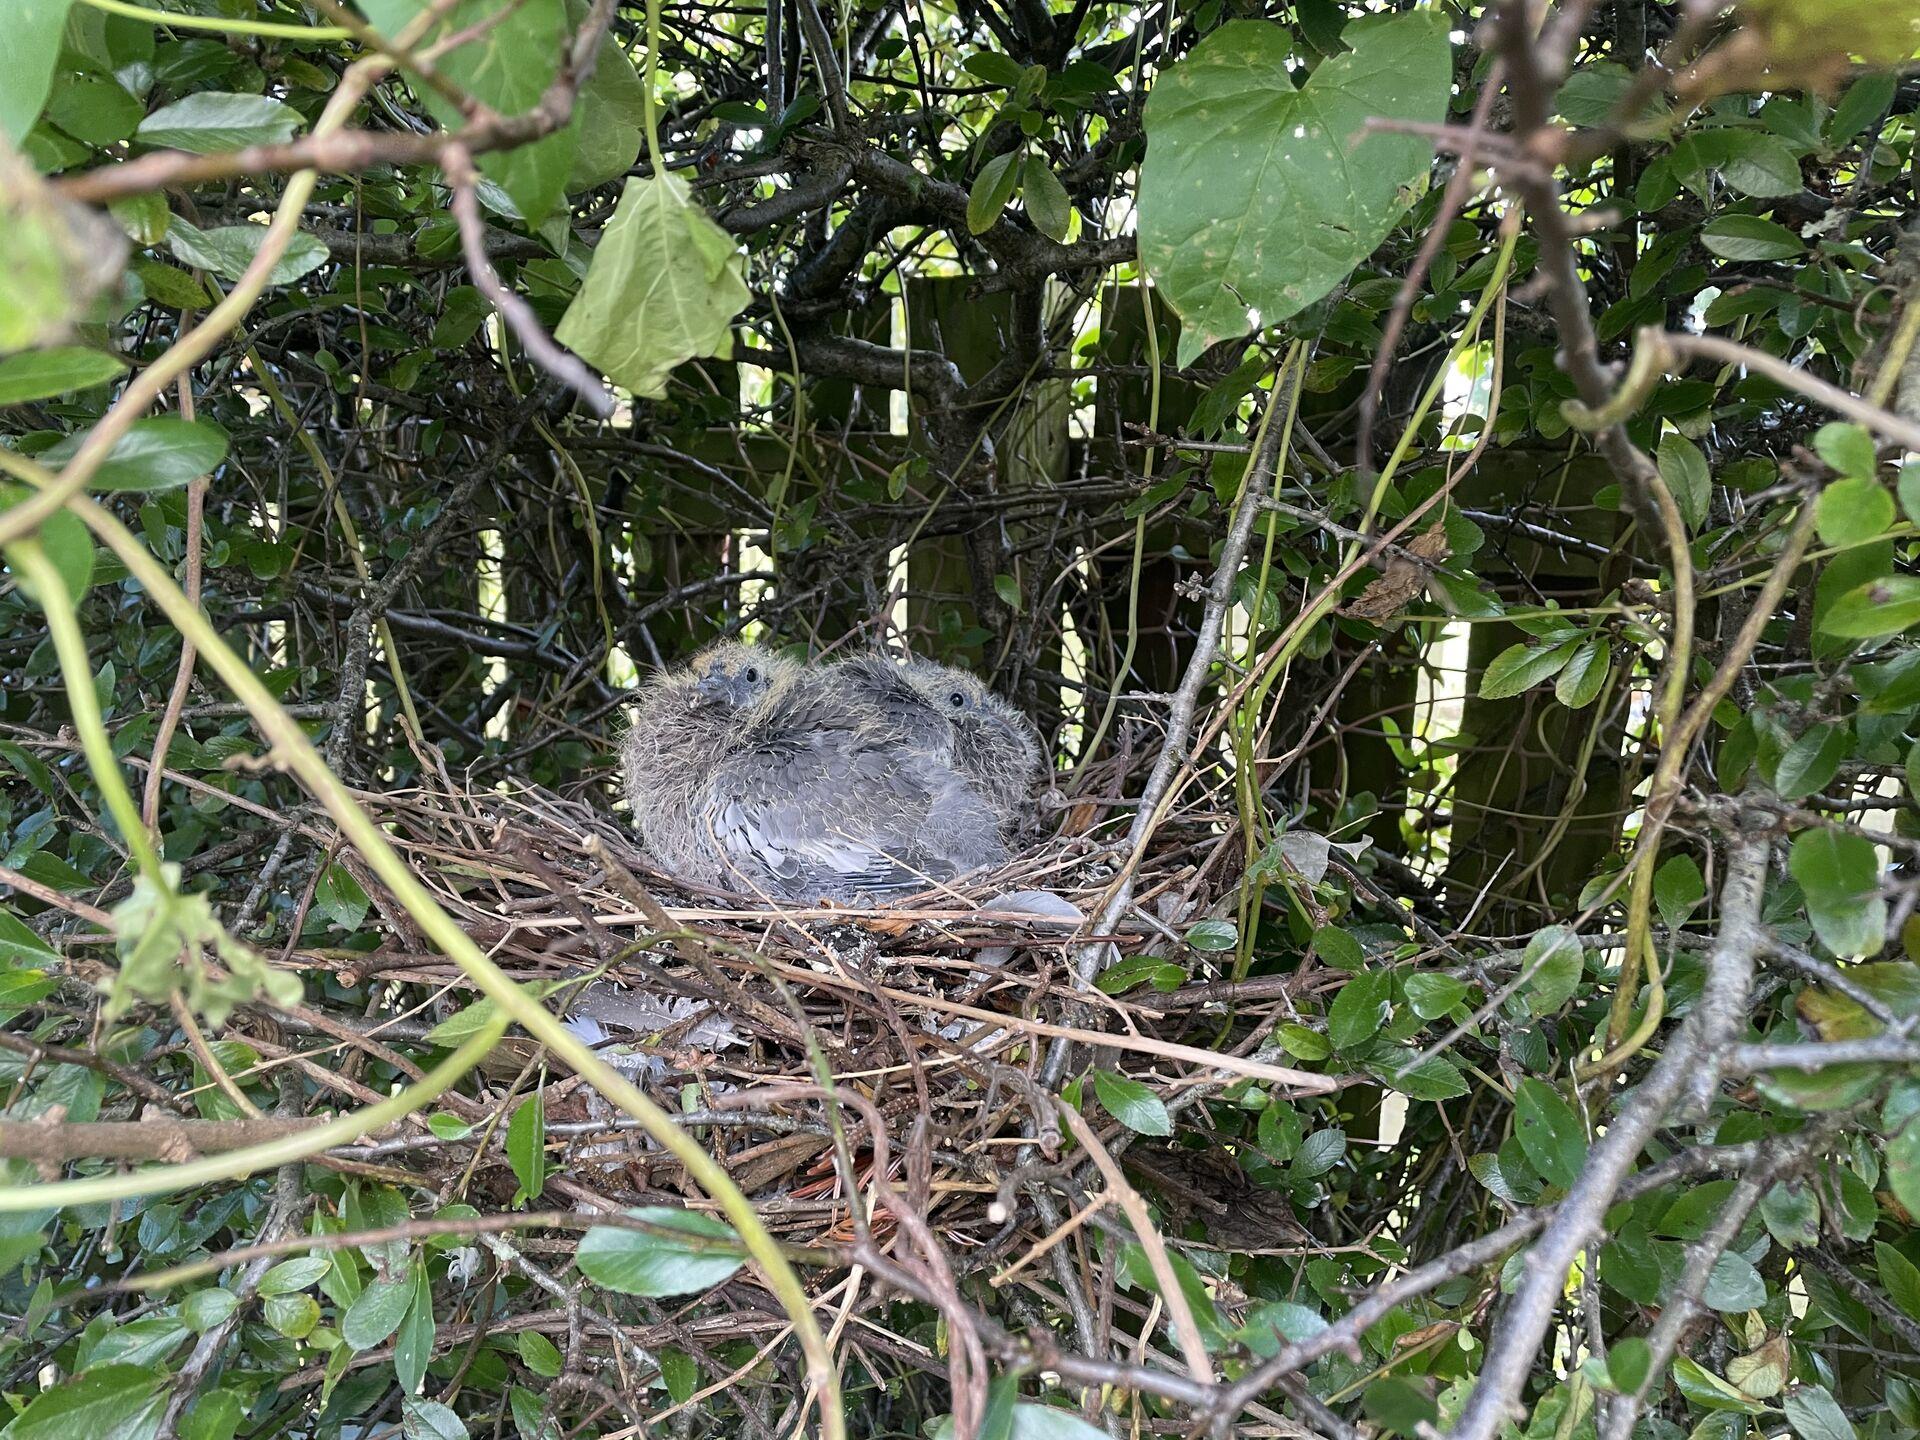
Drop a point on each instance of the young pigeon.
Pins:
(948, 715)
(746, 770)
(688, 721)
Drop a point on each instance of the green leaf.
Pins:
(992, 189)
(1435, 1078)
(60, 257)
(1684, 468)
(1748, 237)
(539, 1354)
(210, 121)
(1853, 511)
(1553, 961)
(1578, 685)
(339, 898)
(32, 29)
(1339, 949)
(107, 1402)
(227, 250)
(290, 1277)
(413, 1341)
(1792, 1214)
(1815, 1415)
(1880, 607)
(513, 57)
(216, 1415)
(1812, 760)
(1046, 199)
(430, 1420)
(609, 116)
(1761, 165)
(160, 453)
(1678, 887)
(64, 541)
(1008, 589)
(1866, 101)
(376, 1312)
(1519, 668)
(1132, 1103)
(663, 288)
(1708, 1390)
(1360, 1009)
(1214, 935)
(1899, 1278)
(1628, 1361)
(1549, 1131)
(1434, 995)
(1734, 1285)
(645, 1262)
(1848, 448)
(1318, 1153)
(293, 1316)
(1903, 1166)
(527, 1145)
(42, 374)
(1839, 874)
(1256, 199)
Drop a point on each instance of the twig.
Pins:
(546, 352)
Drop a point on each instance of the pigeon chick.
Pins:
(949, 715)
(687, 721)
(823, 797)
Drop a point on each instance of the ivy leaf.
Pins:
(1549, 1131)
(663, 288)
(210, 121)
(1839, 874)
(646, 1262)
(507, 65)
(1256, 199)
(1132, 1103)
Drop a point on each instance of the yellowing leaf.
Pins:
(663, 288)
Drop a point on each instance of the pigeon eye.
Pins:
(753, 674)
(957, 700)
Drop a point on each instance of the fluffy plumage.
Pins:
(746, 771)
(950, 716)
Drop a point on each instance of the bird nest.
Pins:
(935, 1018)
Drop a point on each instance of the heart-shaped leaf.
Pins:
(1257, 198)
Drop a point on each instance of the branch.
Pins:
(152, 1138)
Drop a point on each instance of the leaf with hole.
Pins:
(1550, 1132)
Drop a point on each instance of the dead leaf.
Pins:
(1403, 579)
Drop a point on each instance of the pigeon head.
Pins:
(736, 676)
(996, 745)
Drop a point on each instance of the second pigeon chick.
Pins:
(952, 717)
